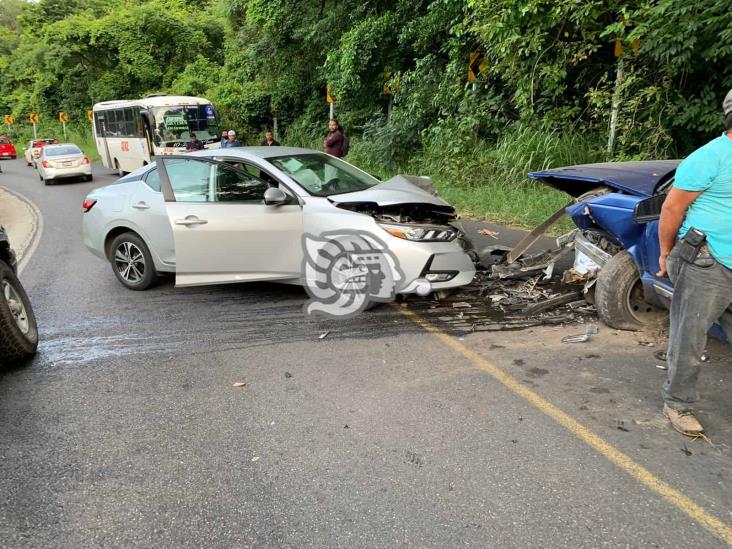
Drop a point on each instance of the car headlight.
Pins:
(420, 233)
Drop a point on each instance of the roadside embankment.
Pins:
(21, 220)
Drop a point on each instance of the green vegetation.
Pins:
(553, 83)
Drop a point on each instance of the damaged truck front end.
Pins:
(615, 252)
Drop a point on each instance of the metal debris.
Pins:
(661, 366)
(535, 235)
(488, 232)
(324, 335)
(239, 384)
(589, 332)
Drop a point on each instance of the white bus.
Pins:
(129, 134)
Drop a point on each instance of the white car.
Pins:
(240, 214)
(63, 161)
(33, 149)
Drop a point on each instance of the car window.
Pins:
(189, 179)
(323, 175)
(232, 185)
(61, 150)
(153, 179)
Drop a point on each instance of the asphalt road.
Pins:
(126, 431)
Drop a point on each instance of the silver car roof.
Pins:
(255, 152)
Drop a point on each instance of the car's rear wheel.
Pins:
(18, 329)
(89, 177)
(620, 298)
(132, 262)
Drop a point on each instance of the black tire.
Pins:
(130, 243)
(90, 177)
(16, 343)
(619, 296)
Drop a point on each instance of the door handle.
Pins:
(191, 220)
(141, 206)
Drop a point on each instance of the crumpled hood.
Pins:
(397, 190)
(637, 178)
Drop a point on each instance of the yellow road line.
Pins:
(640, 473)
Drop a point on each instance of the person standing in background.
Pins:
(269, 140)
(224, 139)
(334, 142)
(232, 141)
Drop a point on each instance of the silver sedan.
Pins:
(245, 214)
(63, 161)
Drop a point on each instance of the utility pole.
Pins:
(619, 79)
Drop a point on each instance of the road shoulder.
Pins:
(21, 220)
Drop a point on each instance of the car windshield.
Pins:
(63, 150)
(323, 175)
(174, 124)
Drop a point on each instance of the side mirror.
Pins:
(275, 197)
(648, 209)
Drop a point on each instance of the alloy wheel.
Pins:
(17, 309)
(130, 262)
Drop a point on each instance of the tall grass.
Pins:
(488, 180)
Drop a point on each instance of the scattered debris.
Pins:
(535, 235)
(686, 451)
(461, 305)
(255, 458)
(346, 426)
(488, 232)
(288, 375)
(621, 426)
(647, 343)
(589, 332)
(550, 303)
(324, 335)
(660, 355)
(661, 366)
(239, 384)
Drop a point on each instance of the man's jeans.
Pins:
(702, 296)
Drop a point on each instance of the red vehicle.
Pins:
(7, 149)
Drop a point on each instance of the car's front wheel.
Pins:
(18, 329)
(619, 296)
(132, 262)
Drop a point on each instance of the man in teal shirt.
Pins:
(701, 198)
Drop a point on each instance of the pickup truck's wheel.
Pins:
(132, 262)
(619, 296)
(18, 329)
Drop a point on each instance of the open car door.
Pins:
(223, 230)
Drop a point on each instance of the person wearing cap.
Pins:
(701, 198)
(232, 141)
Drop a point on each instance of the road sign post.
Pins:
(34, 119)
(63, 118)
(331, 100)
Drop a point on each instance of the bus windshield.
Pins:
(174, 124)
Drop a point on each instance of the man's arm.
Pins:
(672, 216)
